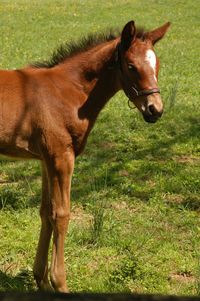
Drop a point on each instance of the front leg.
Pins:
(60, 169)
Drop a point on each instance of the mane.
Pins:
(72, 48)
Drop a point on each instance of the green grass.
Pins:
(135, 223)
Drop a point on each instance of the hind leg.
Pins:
(40, 269)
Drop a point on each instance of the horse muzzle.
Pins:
(150, 118)
(153, 109)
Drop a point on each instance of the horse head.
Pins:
(139, 67)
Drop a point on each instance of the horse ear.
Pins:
(158, 33)
(128, 35)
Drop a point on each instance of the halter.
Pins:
(129, 87)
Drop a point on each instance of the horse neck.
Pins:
(98, 77)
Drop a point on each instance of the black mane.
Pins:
(68, 50)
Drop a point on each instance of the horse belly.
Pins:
(16, 141)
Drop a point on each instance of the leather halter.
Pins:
(129, 87)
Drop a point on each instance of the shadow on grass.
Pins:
(21, 282)
(17, 199)
(163, 148)
(159, 150)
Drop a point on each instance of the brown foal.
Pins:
(48, 110)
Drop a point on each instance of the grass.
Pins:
(135, 223)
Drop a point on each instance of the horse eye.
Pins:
(132, 67)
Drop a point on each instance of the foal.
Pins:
(48, 110)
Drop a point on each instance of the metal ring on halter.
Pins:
(129, 104)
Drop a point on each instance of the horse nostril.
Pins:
(152, 109)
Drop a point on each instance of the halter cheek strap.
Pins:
(130, 88)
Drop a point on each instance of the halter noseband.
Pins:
(131, 88)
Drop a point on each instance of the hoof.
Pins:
(46, 286)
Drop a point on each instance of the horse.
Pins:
(47, 110)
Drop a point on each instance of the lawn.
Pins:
(135, 223)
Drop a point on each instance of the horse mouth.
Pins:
(150, 118)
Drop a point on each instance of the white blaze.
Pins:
(151, 59)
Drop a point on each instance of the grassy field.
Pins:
(135, 223)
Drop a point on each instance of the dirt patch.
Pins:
(80, 216)
(107, 145)
(185, 277)
(174, 198)
(124, 173)
(187, 159)
(120, 206)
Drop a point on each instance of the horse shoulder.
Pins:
(55, 108)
